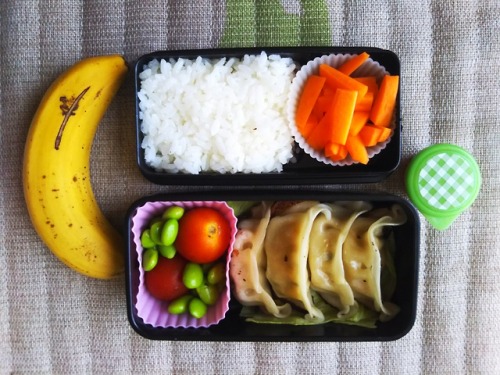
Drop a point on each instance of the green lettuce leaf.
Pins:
(363, 317)
(240, 207)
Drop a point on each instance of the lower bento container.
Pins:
(302, 168)
(232, 327)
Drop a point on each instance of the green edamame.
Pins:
(216, 274)
(149, 259)
(180, 305)
(208, 294)
(174, 212)
(167, 251)
(197, 308)
(155, 232)
(192, 276)
(169, 232)
(146, 240)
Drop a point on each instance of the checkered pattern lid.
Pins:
(442, 181)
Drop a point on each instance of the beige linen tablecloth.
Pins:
(55, 321)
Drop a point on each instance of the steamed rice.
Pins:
(224, 115)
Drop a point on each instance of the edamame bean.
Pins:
(174, 212)
(155, 232)
(146, 240)
(197, 308)
(169, 232)
(208, 293)
(192, 276)
(180, 305)
(149, 259)
(216, 274)
(167, 251)
(156, 219)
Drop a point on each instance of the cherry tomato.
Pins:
(203, 236)
(164, 282)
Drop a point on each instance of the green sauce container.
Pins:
(442, 181)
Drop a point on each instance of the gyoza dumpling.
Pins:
(248, 264)
(363, 260)
(325, 254)
(287, 247)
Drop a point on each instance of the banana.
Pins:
(56, 168)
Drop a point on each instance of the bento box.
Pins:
(274, 312)
(162, 155)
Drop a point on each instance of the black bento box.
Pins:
(304, 169)
(235, 328)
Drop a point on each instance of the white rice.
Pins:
(222, 115)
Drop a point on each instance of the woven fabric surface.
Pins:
(55, 321)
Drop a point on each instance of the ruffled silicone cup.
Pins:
(153, 311)
(369, 68)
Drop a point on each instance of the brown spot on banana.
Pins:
(68, 108)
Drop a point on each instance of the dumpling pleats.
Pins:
(287, 249)
(325, 254)
(362, 255)
(248, 264)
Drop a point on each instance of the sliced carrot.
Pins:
(339, 80)
(354, 63)
(385, 101)
(322, 104)
(359, 119)
(364, 104)
(310, 93)
(370, 135)
(356, 149)
(328, 91)
(369, 81)
(310, 124)
(332, 148)
(386, 132)
(335, 151)
(318, 137)
(339, 116)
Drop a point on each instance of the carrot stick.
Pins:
(386, 132)
(335, 151)
(385, 101)
(370, 135)
(310, 124)
(356, 149)
(328, 91)
(369, 81)
(352, 64)
(318, 136)
(310, 93)
(336, 79)
(364, 104)
(322, 104)
(332, 148)
(338, 118)
(359, 119)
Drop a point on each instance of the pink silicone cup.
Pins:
(153, 311)
(369, 68)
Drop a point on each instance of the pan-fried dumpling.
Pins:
(325, 254)
(287, 247)
(363, 260)
(248, 264)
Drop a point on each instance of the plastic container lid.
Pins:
(442, 181)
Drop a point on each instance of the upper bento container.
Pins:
(302, 169)
(234, 327)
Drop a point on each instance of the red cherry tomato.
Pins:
(164, 282)
(204, 235)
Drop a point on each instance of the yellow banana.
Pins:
(56, 175)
